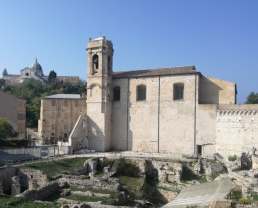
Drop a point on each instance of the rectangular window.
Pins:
(141, 93)
(116, 94)
(199, 150)
(178, 91)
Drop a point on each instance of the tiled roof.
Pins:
(156, 72)
(64, 96)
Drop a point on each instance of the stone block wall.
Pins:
(13, 110)
(236, 129)
(159, 122)
(58, 117)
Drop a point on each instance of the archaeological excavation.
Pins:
(132, 182)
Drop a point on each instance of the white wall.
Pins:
(237, 129)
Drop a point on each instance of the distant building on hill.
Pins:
(13, 109)
(35, 72)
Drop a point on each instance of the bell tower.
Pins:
(99, 83)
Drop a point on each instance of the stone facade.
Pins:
(237, 129)
(168, 110)
(99, 85)
(14, 110)
(58, 115)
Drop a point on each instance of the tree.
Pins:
(252, 98)
(6, 130)
(5, 72)
(52, 77)
(33, 91)
(2, 84)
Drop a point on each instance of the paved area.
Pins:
(202, 194)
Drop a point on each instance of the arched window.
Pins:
(116, 93)
(178, 91)
(95, 63)
(141, 93)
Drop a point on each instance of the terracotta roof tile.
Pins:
(155, 72)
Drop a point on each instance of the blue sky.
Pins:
(219, 37)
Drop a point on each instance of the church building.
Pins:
(174, 110)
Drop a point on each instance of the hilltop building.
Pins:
(168, 110)
(35, 72)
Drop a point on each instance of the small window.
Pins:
(141, 93)
(199, 150)
(178, 91)
(116, 94)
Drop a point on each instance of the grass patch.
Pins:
(255, 197)
(132, 183)
(232, 158)
(245, 201)
(126, 168)
(93, 190)
(81, 198)
(12, 202)
(236, 195)
(53, 168)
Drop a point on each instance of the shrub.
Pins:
(6, 130)
(236, 195)
(245, 200)
(232, 158)
(188, 174)
(127, 168)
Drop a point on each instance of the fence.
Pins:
(22, 154)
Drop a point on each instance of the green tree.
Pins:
(6, 130)
(252, 98)
(74, 89)
(2, 83)
(5, 72)
(52, 77)
(32, 91)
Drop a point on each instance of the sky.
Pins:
(219, 37)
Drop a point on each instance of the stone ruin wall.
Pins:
(236, 129)
(14, 180)
(6, 175)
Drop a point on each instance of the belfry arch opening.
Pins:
(95, 63)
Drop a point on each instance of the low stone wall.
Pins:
(23, 154)
(32, 179)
